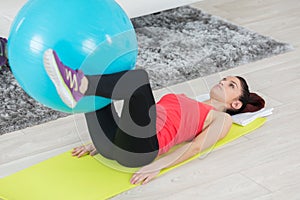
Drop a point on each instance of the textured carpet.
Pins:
(174, 46)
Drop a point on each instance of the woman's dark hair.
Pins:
(251, 102)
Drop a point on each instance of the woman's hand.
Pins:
(144, 175)
(84, 150)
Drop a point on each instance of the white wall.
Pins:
(136, 8)
(8, 10)
(133, 8)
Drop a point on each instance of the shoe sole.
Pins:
(58, 81)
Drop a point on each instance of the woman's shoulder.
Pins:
(218, 114)
(214, 114)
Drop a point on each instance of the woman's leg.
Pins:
(130, 139)
(135, 142)
(102, 127)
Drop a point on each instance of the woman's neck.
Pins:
(220, 106)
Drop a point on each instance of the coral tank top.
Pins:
(179, 119)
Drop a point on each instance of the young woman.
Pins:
(145, 130)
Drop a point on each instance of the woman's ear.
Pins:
(236, 104)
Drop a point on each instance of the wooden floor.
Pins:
(263, 165)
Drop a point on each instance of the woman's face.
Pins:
(228, 91)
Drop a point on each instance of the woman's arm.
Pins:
(218, 129)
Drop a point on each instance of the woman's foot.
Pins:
(70, 84)
(3, 54)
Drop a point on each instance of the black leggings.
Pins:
(131, 138)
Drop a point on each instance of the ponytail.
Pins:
(255, 103)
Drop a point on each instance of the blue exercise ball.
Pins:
(95, 36)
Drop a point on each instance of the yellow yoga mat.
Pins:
(64, 177)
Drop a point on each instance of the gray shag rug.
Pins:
(174, 46)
